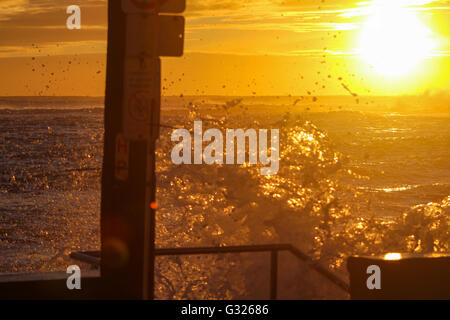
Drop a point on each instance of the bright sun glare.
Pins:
(393, 39)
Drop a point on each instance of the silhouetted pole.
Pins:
(132, 109)
(123, 205)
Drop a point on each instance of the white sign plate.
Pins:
(143, 6)
(140, 97)
(140, 35)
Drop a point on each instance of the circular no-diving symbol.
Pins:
(139, 105)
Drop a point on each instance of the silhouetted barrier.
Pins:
(397, 276)
(94, 258)
(392, 276)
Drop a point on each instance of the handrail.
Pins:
(320, 269)
(224, 249)
(258, 248)
(93, 257)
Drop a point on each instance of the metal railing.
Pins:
(93, 257)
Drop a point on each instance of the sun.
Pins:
(393, 39)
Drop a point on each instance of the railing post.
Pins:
(273, 274)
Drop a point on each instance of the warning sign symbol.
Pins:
(139, 106)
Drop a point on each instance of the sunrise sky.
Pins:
(241, 47)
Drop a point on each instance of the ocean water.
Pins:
(341, 169)
(49, 176)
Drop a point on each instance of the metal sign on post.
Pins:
(148, 36)
(138, 35)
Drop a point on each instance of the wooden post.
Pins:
(138, 34)
(128, 180)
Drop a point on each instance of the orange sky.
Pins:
(236, 47)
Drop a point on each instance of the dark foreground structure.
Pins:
(401, 276)
(127, 255)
